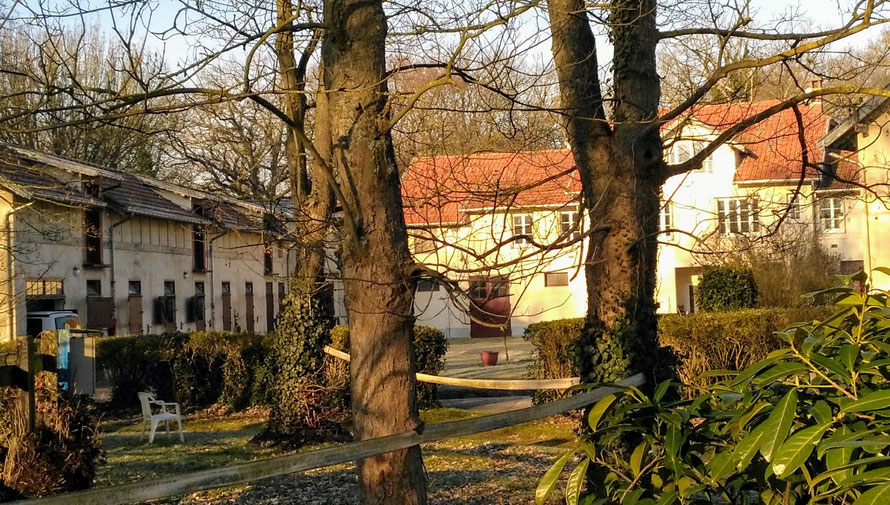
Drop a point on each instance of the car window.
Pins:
(70, 320)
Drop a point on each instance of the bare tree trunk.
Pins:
(379, 291)
(621, 173)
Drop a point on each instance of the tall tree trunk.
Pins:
(379, 292)
(301, 407)
(621, 174)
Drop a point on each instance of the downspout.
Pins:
(111, 266)
(10, 268)
(213, 279)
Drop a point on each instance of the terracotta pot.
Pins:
(489, 358)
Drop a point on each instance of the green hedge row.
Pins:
(234, 369)
(705, 341)
(430, 346)
(198, 369)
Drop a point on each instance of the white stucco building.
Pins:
(764, 183)
(133, 254)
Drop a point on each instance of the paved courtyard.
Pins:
(463, 361)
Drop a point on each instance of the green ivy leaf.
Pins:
(596, 413)
(778, 424)
(792, 454)
(575, 482)
(878, 495)
(548, 481)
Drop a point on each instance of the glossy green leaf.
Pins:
(721, 465)
(830, 364)
(780, 371)
(778, 424)
(848, 354)
(836, 458)
(878, 495)
(661, 390)
(821, 412)
(877, 400)
(795, 451)
(747, 448)
(548, 481)
(636, 459)
(667, 498)
(673, 440)
(596, 413)
(576, 482)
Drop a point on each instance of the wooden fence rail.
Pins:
(499, 384)
(230, 475)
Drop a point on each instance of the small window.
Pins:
(169, 288)
(44, 287)
(831, 213)
(199, 263)
(500, 286)
(681, 152)
(794, 206)
(522, 225)
(248, 288)
(268, 266)
(92, 236)
(478, 289)
(282, 292)
(135, 288)
(94, 288)
(555, 279)
(665, 218)
(738, 216)
(199, 289)
(568, 221)
(227, 288)
(427, 284)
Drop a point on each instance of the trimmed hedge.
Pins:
(198, 369)
(705, 341)
(727, 288)
(430, 346)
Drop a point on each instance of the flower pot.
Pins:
(489, 358)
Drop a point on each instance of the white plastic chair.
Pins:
(147, 400)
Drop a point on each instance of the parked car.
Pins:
(51, 320)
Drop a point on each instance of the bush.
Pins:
(64, 451)
(727, 288)
(730, 340)
(430, 346)
(806, 424)
(198, 369)
(705, 341)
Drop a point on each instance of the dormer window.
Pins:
(683, 150)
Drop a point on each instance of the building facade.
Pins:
(776, 182)
(133, 254)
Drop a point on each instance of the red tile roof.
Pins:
(443, 189)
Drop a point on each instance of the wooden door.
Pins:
(134, 309)
(490, 307)
(248, 307)
(270, 308)
(227, 311)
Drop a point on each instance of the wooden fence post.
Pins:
(26, 352)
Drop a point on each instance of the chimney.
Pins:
(814, 85)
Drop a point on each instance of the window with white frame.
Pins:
(568, 222)
(831, 213)
(794, 211)
(683, 150)
(738, 215)
(665, 218)
(522, 225)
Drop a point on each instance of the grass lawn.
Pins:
(501, 466)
